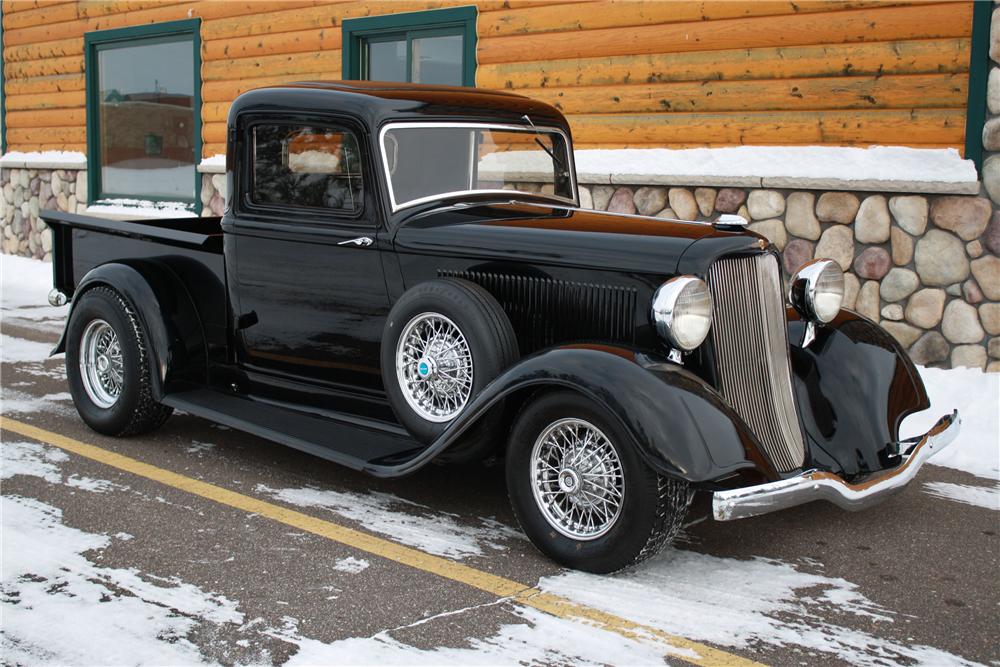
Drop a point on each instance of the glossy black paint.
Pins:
(261, 320)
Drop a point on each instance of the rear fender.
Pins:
(173, 329)
(678, 424)
(854, 384)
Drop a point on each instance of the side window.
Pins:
(309, 166)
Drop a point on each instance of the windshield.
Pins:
(425, 161)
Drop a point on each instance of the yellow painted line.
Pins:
(501, 587)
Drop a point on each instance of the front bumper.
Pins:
(817, 485)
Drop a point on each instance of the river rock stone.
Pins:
(800, 219)
(837, 207)
(649, 200)
(602, 196)
(893, 311)
(873, 263)
(773, 230)
(46, 238)
(667, 213)
(764, 204)
(706, 200)
(56, 183)
(24, 178)
(968, 356)
(974, 249)
(986, 270)
(991, 175)
(965, 216)
(910, 212)
(867, 302)
(932, 348)
(683, 203)
(729, 200)
(954, 290)
(993, 347)
(991, 134)
(991, 237)
(960, 323)
(989, 317)
(901, 331)
(62, 201)
(837, 243)
(797, 252)
(902, 246)
(899, 284)
(925, 307)
(621, 202)
(586, 201)
(81, 185)
(971, 292)
(851, 287)
(871, 225)
(940, 258)
(993, 91)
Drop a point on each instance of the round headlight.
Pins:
(682, 311)
(817, 290)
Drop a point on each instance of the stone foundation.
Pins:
(25, 193)
(213, 194)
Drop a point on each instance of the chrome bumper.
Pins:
(755, 500)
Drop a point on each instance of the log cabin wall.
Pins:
(628, 74)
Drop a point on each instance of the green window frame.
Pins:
(409, 26)
(155, 33)
(979, 69)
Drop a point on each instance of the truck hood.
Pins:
(556, 235)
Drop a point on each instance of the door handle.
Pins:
(361, 242)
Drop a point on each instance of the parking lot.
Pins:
(199, 543)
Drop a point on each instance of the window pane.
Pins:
(317, 167)
(147, 119)
(438, 60)
(387, 61)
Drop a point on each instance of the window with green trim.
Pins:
(436, 46)
(144, 112)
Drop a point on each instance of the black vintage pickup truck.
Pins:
(385, 291)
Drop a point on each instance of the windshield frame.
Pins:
(536, 129)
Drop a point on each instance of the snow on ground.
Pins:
(24, 289)
(403, 520)
(980, 496)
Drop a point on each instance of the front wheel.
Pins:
(581, 492)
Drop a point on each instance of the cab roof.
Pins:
(376, 102)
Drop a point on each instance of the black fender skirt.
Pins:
(854, 384)
(678, 423)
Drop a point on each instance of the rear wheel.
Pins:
(107, 367)
(581, 492)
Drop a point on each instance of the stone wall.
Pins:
(25, 193)
(213, 194)
(927, 268)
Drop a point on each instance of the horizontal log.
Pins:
(75, 10)
(326, 63)
(855, 92)
(214, 112)
(69, 100)
(903, 57)
(46, 135)
(14, 6)
(39, 50)
(226, 91)
(862, 25)
(590, 146)
(46, 84)
(314, 39)
(65, 65)
(213, 133)
(28, 147)
(622, 13)
(208, 150)
(173, 12)
(46, 118)
(941, 126)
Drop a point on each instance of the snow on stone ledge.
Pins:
(43, 160)
(213, 165)
(878, 168)
(138, 209)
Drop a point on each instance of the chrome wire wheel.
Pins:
(101, 366)
(577, 479)
(434, 367)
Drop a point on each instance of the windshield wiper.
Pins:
(551, 153)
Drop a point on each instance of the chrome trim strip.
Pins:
(807, 487)
(570, 166)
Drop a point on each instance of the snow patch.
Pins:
(351, 565)
(980, 496)
(403, 520)
(140, 208)
(14, 350)
(43, 160)
(213, 165)
(31, 459)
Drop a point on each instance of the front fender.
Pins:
(854, 384)
(174, 332)
(678, 424)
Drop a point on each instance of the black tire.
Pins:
(135, 411)
(653, 506)
(483, 324)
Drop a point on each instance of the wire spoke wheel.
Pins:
(434, 367)
(577, 479)
(101, 366)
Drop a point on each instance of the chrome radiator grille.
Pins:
(751, 348)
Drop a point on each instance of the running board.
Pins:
(356, 446)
